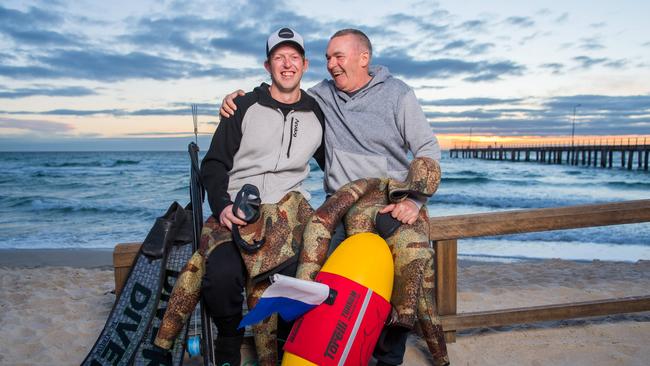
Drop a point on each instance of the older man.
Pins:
(372, 122)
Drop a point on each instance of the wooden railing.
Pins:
(446, 231)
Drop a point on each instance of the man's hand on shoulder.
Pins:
(228, 106)
(406, 211)
(227, 218)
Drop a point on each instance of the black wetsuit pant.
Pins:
(222, 290)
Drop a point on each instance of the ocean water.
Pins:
(99, 199)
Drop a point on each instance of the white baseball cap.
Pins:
(284, 35)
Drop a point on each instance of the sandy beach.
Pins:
(54, 303)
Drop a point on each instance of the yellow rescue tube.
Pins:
(365, 259)
(360, 270)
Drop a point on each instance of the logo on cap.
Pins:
(285, 33)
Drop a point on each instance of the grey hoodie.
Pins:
(371, 133)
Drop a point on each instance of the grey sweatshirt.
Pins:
(371, 133)
(264, 146)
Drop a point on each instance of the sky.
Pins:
(121, 75)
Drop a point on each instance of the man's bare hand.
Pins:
(228, 106)
(227, 218)
(406, 211)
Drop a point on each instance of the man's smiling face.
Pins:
(346, 62)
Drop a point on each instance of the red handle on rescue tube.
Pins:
(360, 271)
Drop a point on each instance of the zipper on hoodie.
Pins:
(290, 139)
(284, 123)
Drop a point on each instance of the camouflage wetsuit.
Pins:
(282, 227)
(357, 203)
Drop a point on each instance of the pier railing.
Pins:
(446, 231)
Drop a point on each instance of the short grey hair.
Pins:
(365, 41)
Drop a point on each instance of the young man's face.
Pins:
(286, 65)
(346, 63)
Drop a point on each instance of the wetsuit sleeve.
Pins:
(219, 161)
(319, 155)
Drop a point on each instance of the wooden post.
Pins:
(611, 157)
(446, 253)
(645, 164)
(630, 156)
(123, 257)
(622, 158)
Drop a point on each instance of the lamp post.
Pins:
(573, 125)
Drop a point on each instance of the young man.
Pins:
(373, 121)
(267, 143)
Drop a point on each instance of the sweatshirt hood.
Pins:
(264, 98)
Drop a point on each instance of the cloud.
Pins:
(422, 22)
(587, 62)
(640, 103)
(174, 32)
(446, 67)
(50, 91)
(555, 67)
(596, 115)
(177, 47)
(454, 45)
(429, 87)
(475, 25)
(176, 109)
(26, 27)
(457, 102)
(109, 66)
(562, 18)
(33, 125)
(35, 17)
(524, 22)
(467, 46)
(86, 143)
(590, 44)
(471, 114)
(616, 64)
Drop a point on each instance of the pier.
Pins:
(627, 155)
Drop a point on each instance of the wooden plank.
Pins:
(446, 280)
(546, 312)
(123, 256)
(526, 221)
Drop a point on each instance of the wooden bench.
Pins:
(445, 233)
